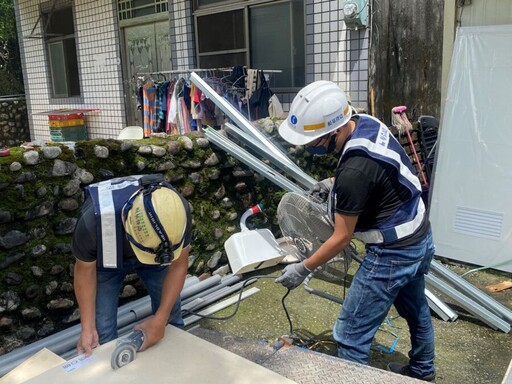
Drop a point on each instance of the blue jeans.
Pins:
(108, 287)
(386, 277)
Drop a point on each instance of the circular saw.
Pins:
(126, 349)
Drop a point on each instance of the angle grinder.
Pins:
(126, 349)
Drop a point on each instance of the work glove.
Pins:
(320, 191)
(293, 275)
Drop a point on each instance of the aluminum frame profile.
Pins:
(63, 343)
(251, 161)
(472, 292)
(237, 117)
(321, 294)
(298, 174)
(219, 306)
(440, 307)
(471, 306)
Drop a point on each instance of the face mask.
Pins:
(322, 150)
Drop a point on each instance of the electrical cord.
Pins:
(246, 282)
(308, 342)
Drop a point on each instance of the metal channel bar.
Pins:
(237, 117)
(251, 161)
(440, 307)
(225, 281)
(64, 342)
(219, 306)
(204, 301)
(298, 174)
(476, 309)
(199, 287)
(471, 291)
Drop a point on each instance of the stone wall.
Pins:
(42, 192)
(14, 127)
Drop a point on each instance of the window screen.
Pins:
(62, 54)
(221, 39)
(277, 41)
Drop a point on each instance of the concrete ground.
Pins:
(468, 351)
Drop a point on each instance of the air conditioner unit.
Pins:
(355, 14)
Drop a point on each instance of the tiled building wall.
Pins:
(334, 52)
(182, 35)
(99, 59)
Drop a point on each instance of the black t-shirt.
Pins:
(370, 189)
(84, 244)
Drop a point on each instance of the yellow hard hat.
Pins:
(155, 221)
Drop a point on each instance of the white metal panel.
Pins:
(180, 358)
(471, 208)
(33, 366)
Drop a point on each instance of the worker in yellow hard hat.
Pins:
(138, 223)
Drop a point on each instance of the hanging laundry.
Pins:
(149, 107)
(178, 106)
(162, 106)
(259, 101)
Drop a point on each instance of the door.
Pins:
(147, 50)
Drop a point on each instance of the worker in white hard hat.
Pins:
(374, 196)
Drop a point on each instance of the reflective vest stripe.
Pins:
(396, 233)
(108, 227)
(385, 152)
(108, 198)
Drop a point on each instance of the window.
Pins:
(268, 35)
(129, 9)
(61, 49)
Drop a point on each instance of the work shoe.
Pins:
(403, 369)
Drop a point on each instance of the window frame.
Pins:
(233, 5)
(245, 50)
(48, 40)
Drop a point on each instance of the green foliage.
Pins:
(10, 61)
(7, 20)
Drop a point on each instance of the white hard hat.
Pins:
(319, 108)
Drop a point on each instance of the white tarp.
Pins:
(471, 203)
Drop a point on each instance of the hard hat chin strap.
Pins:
(164, 253)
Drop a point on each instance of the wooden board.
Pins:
(179, 358)
(500, 286)
(33, 366)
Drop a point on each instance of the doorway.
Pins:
(147, 50)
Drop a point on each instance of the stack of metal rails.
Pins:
(202, 297)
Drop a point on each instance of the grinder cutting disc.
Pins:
(122, 355)
(126, 349)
